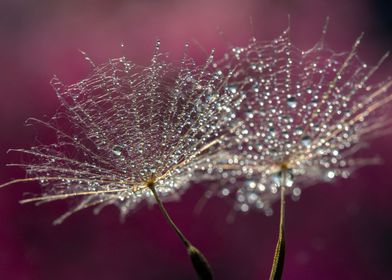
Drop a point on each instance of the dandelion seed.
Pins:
(283, 129)
(311, 112)
(128, 134)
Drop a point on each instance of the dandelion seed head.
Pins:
(307, 112)
(125, 127)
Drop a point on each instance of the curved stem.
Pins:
(200, 263)
(278, 262)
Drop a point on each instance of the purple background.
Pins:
(337, 231)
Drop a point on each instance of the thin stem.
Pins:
(200, 263)
(278, 262)
(168, 218)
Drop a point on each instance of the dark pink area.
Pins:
(336, 231)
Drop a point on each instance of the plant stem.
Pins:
(278, 262)
(199, 262)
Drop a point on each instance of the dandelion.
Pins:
(128, 134)
(307, 115)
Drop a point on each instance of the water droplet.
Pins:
(298, 131)
(330, 174)
(272, 131)
(306, 141)
(225, 192)
(117, 150)
(259, 204)
(260, 187)
(249, 114)
(296, 191)
(250, 184)
(345, 174)
(232, 89)
(277, 178)
(244, 208)
(291, 102)
(289, 181)
(296, 194)
(251, 198)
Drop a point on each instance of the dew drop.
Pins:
(277, 178)
(259, 204)
(272, 131)
(296, 191)
(260, 187)
(117, 150)
(291, 102)
(298, 131)
(249, 114)
(330, 174)
(244, 208)
(306, 141)
(225, 192)
(232, 89)
(250, 184)
(251, 198)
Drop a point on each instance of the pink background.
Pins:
(339, 231)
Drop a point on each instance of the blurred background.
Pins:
(336, 231)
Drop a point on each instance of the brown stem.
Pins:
(199, 262)
(278, 262)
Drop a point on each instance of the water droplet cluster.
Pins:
(237, 122)
(125, 125)
(309, 111)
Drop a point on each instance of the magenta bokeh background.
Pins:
(338, 231)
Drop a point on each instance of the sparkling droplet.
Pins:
(232, 89)
(298, 131)
(330, 174)
(260, 187)
(291, 102)
(225, 192)
(251, 198)
(259, 204)
(244, 208)
(117, 150)
(306, 141)
(249, 114)
(296, 191)
(250, 184)
(277, 178)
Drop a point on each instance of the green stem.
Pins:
(199, 262)
(278, 262)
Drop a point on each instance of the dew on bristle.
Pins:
(125, 125)
(309, 109)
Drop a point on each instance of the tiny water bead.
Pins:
(292, 102)
(284, 177)
(117, 150)
(306, 141)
